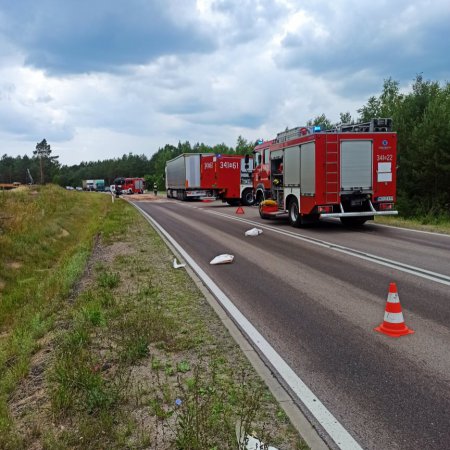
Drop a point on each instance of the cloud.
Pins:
(99, 35)
(28, 108)
(102, 78)
(353, 37)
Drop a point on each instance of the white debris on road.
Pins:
(222, 259)
(253, 232)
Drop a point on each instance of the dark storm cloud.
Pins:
(97, 35)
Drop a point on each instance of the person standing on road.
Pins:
(155, 189)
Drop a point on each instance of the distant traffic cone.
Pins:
(240, 210)
(393, 324)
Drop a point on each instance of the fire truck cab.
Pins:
(129, 185)
(346, 173)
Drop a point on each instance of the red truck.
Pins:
(128, 185)
(209, 175)
(347, 173)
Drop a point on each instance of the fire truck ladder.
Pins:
(374, 125)
(331, 169)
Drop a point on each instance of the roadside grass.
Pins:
(435, 224)
(119, 350)
(45, 240)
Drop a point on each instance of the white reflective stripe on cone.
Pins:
(393, 298)
(393, 317)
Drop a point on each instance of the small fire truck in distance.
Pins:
(206, 175)
(348, 172)
(128, 185)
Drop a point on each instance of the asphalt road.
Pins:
(317, 306)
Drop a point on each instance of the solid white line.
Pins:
(416, 271)
(336, 431)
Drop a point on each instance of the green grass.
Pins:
(45, 241)
(434, 224)
(136, 357)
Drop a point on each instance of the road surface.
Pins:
(317, 293)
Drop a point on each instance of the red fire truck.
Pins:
(128, 185)
(348, 172)
(207, 175)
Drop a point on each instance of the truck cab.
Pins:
(261, 171)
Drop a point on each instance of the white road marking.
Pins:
(331, 425)
(413, 270)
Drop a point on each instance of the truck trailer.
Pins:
(88, 185)
(93, 185)
(348, 173)
(210, 176)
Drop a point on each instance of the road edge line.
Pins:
(337, 433)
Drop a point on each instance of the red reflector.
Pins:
(324, 209)
(386, 206)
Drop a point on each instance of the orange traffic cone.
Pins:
(240, 210)
(393, 324)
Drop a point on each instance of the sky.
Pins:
(102, 78)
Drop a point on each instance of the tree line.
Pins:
(421, 118)
(46, 168)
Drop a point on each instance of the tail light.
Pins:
(324, 209)
(386, 206)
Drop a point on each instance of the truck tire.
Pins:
(295, 218)
(259, 197)
(247, 197)
(354, 221)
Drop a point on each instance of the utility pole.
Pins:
(30, 177)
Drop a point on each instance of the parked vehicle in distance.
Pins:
(79, 188)
(88, 185)
(123, 185)
(94, 185)
(69, 188)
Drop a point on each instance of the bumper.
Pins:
(361, 214)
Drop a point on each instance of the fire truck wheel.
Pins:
(247, 197)
(354, 221)
(259, 197)
(294, 215)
